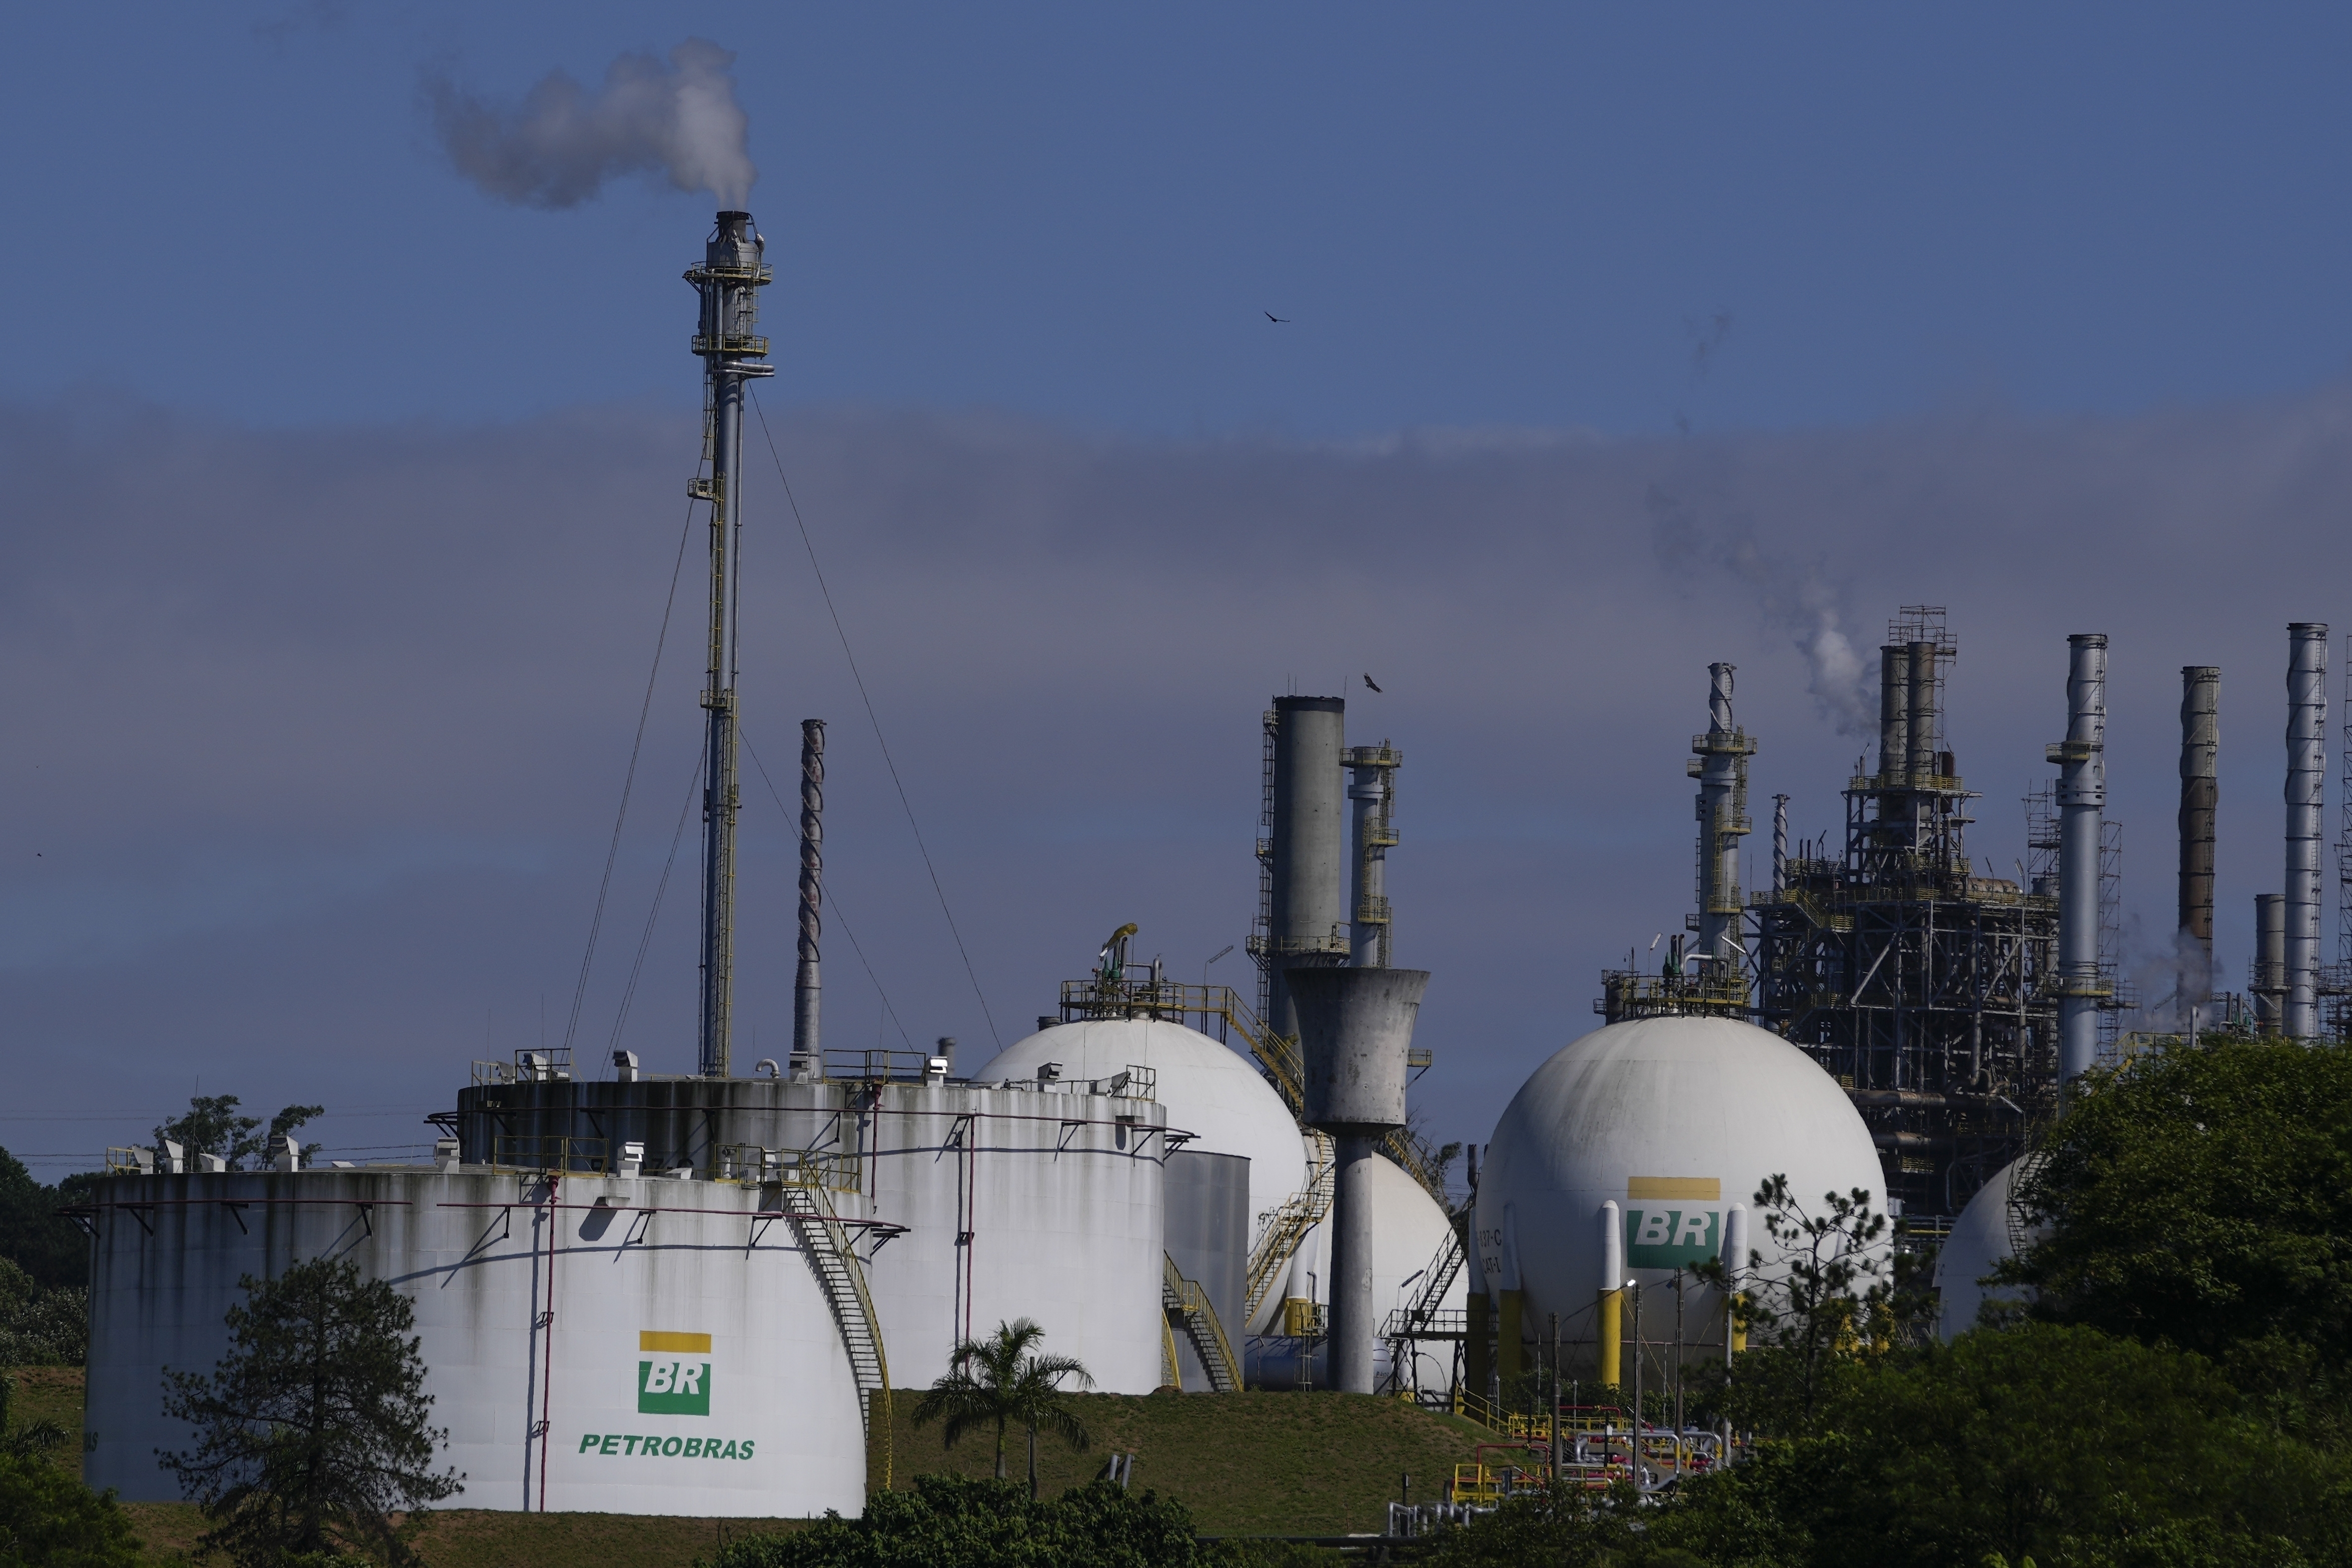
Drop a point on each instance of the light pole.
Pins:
(1635, 1286)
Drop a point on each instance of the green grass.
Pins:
(1246, 1464)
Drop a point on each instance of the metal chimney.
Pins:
(1779, 843)
(1922, 727)
(2268, 981)
(1355, 1028)
(1309, 846)
(2081, 803)
(2306, 780)
(2201, 745)
(1894, 711)
(1721, 766)
(1371, 792)
(729, 278)
(807, 1047)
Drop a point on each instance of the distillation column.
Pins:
(729, 278)
(2268, 981)
(1306, 914)
(1720, 765)
(2200, 793)
(2306, 780)
(806, 981)
(2081, 803)
(1371, 792)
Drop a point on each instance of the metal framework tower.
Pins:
(1930, 991)
(732, 271)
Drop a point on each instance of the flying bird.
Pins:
(1372, 683)
(1277, 321)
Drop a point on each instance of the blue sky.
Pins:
(338, 500)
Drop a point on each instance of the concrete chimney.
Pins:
(2082, 805)
(2200, 745)
(2306, 780)
(1308, 917)
(1355, 1028)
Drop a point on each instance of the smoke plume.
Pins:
(561, 143)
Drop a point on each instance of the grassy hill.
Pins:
(1248, 1464)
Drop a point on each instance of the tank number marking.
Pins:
(624, 1444)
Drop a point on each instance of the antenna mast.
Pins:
(733, 268)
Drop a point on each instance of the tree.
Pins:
(952, 1521)
(1831, 1293)
(41, 1328)
(211, 1125)
(32, 1438)
(33, 1236)
(997, 1380)
(2203, 1198)
(48, 1519)
(312, 1430)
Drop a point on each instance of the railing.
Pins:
(1270, 1258)
(129, 1162)
(755, 1165)
(548, 1152)
(839, 1275)
(1422, 1322)
(551, 1065)
(1187, 1304)
(1303, 1319)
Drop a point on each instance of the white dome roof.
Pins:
(1674, 1119)
(1979, 1240)
(1209, 1090)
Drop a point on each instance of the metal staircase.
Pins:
(1270, 1258)
(1426, 1316)
(1188, 1307)
(834, 1259)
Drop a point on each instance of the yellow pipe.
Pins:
(1611, 1317)
(1738, 1324)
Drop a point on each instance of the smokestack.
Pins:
(2306, 779)
(1371, 792)
(728, 279)
(1894, 711)
(1922, 729)
(1309, 848)
(1355, 1027)
(1779, 843)
(2200, 793)
(805, 985)
(2082, 802)
(1721, 766)
(2270, 960)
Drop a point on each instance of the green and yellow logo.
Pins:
(674, 1378)
(1665, 1228)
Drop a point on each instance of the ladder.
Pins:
(1187, 1306)
(1435, 1280)
(1301, 1213)
(833, 1260)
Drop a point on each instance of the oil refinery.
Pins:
(678, 1292)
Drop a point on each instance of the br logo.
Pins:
(1671, 1222)
(674, 1374)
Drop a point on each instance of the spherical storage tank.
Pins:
(1983, 1238)
(1676, 1121)
(1209, 1090)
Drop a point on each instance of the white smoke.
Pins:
(561, 143)
(1797, 600)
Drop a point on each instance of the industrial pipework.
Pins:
(2268, 980)
(2081, 803)
(1306, 849)
(728, 277)
(2306, 780)
(1371, 791)
(807, 985)
(1356, 1027)
(2200, 745)
(1720, 765)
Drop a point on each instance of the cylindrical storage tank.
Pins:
(1984, 1237)
(1675, 1120)
(1207, 1089)
(672, 1336)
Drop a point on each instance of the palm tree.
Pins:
(997, 1379)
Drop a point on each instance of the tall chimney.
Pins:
(1355, 1028)
(2081, 803)
(1894, 713)
(1923, 728)
(1309, 849)
(1779, 843)
(729, 278)
(1371, 792)
(2306, 778)
(1721, 765)
(2200, 745)
(805, 982)
(2268, 981)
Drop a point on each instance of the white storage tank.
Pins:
(1674, 1121)
(670, 1338)
(1984, 1235)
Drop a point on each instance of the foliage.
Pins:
(32, 1438)
(211, 1125)
(312, 1430)
(51, 1250)
(997, 1381)
(49, 1519)
(41, 1328)
(952, 1521)
(2203, 1198)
